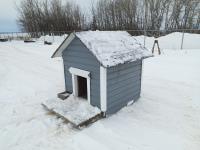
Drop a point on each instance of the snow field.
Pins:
(165, 117)
(173, 41)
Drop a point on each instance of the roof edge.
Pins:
(64, 45)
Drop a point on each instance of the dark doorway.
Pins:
(82, 87)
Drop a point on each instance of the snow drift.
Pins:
(173, 41)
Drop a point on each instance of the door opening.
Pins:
(82, 87)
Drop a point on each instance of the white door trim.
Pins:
(78, 72)
(103, 88)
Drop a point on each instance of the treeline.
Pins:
(49, 15)
(52, 15)
(148, 14)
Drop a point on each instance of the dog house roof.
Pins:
(109, 47)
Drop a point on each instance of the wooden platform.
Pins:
(77, 111)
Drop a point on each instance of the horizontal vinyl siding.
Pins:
(123, 85)
(118, 105)
(78, 56)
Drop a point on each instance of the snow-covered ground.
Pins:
(54, 39)
(166, 117)
(173, 41)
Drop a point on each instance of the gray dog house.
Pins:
(103, 67)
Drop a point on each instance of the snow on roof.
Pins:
(113, 47)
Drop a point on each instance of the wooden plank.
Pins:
(84, 123)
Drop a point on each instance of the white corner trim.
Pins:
(103, 88)
(88, 90)
(78, 72)
(74, 85)
(64, 45)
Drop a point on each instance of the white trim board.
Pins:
(78, 72)
(103, 88)
(64, 45)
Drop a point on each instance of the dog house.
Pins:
(104, 68)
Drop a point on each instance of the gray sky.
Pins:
(8, 13)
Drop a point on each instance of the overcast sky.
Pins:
(8, 13)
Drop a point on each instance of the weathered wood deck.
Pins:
(77, 111)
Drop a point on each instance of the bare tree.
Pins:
(115, 14)
(49, 15)
(53, 15)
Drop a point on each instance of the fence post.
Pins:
(182, 40)
(53, 37)
(44, 37)
(144, 38)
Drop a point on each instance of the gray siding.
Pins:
(78, 56)
(123, 85)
